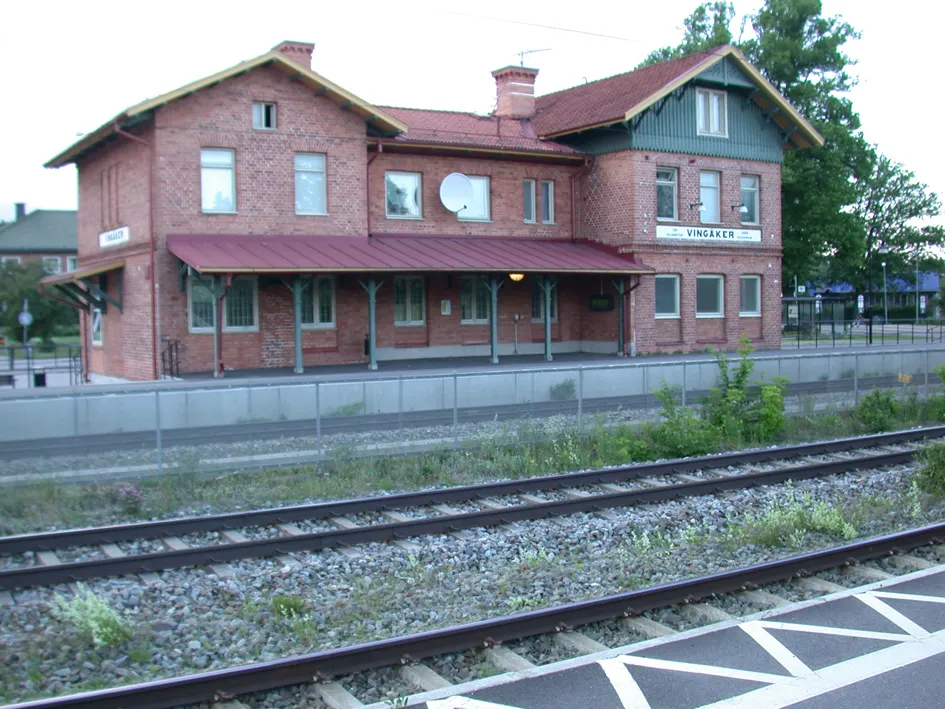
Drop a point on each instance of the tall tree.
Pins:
(707, 27)
(19, 283)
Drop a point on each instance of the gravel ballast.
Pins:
(194, 620)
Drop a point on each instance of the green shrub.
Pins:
(769, 413)
(877, 411)
(288, 606)
(563, 391)
(92, 617)
(782, 525)
(621, 446)
(682, 433)
(931, 475)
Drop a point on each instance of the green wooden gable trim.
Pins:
(670, 126)
(725, 73)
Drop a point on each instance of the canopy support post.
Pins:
(493, 284)
(548, 284)
(372, 286)
(621, 317)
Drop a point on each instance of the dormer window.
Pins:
(711, 115)
(264, 116)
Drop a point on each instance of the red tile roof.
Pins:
(469, 130)
(607, 100)
(221, 253)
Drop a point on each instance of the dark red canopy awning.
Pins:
(220, 253)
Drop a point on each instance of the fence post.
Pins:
(455, 410)
(685, 382)
(927, 363)
(646, 389)
(318, 418)
(400, 401)
(580, 398)
(157, 431)
(856, 378)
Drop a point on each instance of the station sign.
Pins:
(700, 233)
(114, 237)
(602, 303)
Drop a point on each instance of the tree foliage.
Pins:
(19, 283)
(706, 28)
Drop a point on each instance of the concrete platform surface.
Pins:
(881, 645)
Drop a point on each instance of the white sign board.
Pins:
(699, 233)
(802, 289)
(25, 318)
(114, 237)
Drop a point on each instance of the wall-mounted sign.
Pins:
(114, 237)
(699, 233)
(601, 303)
(446, 307)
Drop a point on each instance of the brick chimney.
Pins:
(20, 211)
(515, 92)
(300, 52)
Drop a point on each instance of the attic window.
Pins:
(264, 116)
(711, 114)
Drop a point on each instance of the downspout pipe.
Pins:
(367, 184)
(575, 177)
(152, 267)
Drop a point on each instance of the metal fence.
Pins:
(88, 434)
(824, 333)
(25, 367)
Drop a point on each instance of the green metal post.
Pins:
(217, 325)
(493, 284)
(372, 286)
(547, 284)
(621, 326)
(297, 308)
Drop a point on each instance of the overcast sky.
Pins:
(69, 67)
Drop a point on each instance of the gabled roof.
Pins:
(275, 58)
(472, 131)
(41, 231)
(621, 97)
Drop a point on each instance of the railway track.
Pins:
(224, 685)
(592, 491)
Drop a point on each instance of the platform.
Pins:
(881, 645)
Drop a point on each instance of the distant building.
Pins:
(267, 217)
(47, 235)
(900, 293)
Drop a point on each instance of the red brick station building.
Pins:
(266, 217)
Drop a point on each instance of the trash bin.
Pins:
(367, 346)
(39, 378)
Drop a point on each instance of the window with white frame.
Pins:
(11, 260)
(264, 116)
(711, 113)
(318, 303)
(311, 196)
(217, 180)
(709, 300)
(666, 193)
(538, 302)
(240, 306)
(667, 296)
(478, 210)
(52, 264)
(475, 300)
(403, 192)
(548, 201)
(709, 196)
(95, 325)
(749, 294)
(72, 263)
(528, 201)
(749, 206)
(409, 307)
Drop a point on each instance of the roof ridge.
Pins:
(441, 110)
(707, 52)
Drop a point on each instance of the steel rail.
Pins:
(444, 524)
(60, 539)
(227, 683)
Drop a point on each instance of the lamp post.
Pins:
(916, 288)
(885, 304)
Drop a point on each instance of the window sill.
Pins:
(541, 321)
(265, 130)
(529, 221)
(749, 315)
(549, 223)
(704, 134)
(666, 317)
(226, 330)
(713, 223)
(756, 224)
(668, 220)
(475, 221)
(98, 344)
(395, 216)
(204, 211)
(710, 316)
(325, 326)
(311, 214)
(409, 324)
(473, 322)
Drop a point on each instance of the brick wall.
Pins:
(506, 202)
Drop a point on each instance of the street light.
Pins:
(916, 289)
(885, 304)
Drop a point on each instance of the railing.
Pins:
(862, 332)
(27, 366)
(170, 359)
